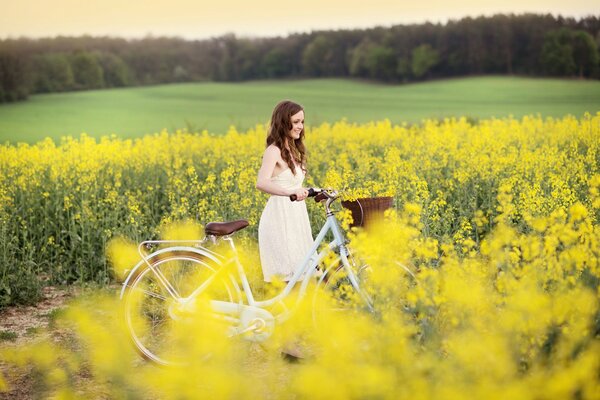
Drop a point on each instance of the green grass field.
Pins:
(132, 112)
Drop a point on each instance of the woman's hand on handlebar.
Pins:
(310, 192)
(299, 194)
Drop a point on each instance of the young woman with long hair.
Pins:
(284, 232)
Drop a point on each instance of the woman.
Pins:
(284, 233)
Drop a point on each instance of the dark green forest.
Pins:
(528, 44)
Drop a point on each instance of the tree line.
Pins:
(528, 44)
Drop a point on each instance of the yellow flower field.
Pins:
(498, 221)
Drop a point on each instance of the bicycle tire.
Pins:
(335, 293)
(148, 306)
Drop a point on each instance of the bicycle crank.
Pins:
(256, 324)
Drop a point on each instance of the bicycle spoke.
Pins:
(154, 317)
(151, 294)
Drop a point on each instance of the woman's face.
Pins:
(297, 121)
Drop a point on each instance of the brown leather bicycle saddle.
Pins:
(224, 228)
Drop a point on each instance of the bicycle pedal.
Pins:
(291, 358)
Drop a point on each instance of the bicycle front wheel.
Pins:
(341, 290)
(156, 306)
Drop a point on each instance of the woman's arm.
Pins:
(263, 182)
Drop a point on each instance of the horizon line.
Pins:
(247, 35)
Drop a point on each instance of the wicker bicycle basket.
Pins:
(365, 210)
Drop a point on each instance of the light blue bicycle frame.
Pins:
(308, 265)
(306, 268)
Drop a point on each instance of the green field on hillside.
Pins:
(132, 112)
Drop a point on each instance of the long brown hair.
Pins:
(292, 150)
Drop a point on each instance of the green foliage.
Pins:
(248, 58)
(115, 71)
(522, 44)
(403, 68)
(13, 77)
(87, 72)
(381, 63)
(52, 73)
(54, 315)
(19, 285)
(275, 63)
(567, 52)
(316, 55)
(227, 69)
(8, 336)
(557, 53)
(359, 56)
(374, 61)
(585, 53)
(424, 58)
(32, 331)
(180, 74)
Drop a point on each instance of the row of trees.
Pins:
(526, 44)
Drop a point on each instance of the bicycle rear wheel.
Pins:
(341, 290)
(156, 311)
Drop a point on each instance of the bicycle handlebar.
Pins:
(312, 192)
(318, 194)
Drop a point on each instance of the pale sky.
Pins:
(201, 19)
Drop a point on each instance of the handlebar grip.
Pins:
(311, 193)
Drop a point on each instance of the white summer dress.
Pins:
(284, 233)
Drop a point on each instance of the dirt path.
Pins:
(22, 324)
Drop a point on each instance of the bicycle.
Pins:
(161, 288)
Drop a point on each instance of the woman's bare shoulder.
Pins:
(273, 151)
(273, 147)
